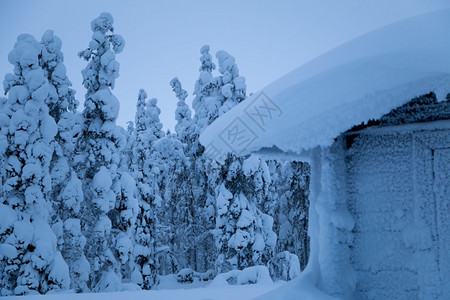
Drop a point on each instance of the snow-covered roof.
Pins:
(360, 80)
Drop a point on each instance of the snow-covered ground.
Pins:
(295, 289)
(209, 292)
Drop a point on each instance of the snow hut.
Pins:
(373, 120)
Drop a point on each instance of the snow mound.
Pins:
(360, 80)
(251, 275)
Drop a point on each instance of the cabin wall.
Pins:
(391, 192)
(335, 223)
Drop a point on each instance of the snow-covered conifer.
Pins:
(98, 155)
(244, 234)
(30, 260)
(67, 193)
(147, 132)
(233, 86)
(292, 212)
(184, 127)
(204, 102)
(61, 97)
(169, 161)
(127, 153)
(216, 95)
(152, 113)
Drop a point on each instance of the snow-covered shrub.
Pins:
(284, 266)
(186, 275)
(250, 275)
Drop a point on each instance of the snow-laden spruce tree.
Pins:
(287, 201)
(216, 95)
(292, 212)
(147, 131)
(62, 97)
(244, 234)
(127, 152)
(195, 240)
(185, 126)
(67, 193)
(152, 112)
(168, 161)
(206, 91)
(61, 101)
(30, 261)
(233, 87)
(109, 208)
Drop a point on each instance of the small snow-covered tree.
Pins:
(244, 234)
(141, 143)
(98, 154)
(291, 214)
(152, 112)
(30, 260)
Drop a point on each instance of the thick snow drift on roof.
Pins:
(360, 80)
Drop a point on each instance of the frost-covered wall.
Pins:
(397, 184)
(332, 234)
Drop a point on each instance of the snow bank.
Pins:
(360, 80)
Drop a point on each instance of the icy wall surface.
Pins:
(398, 194)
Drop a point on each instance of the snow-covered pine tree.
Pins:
(216, 95)
(147, 132)
(124, 223)
(67, 193)
(244, 234)
(109, 201)
(206, 90)
(141, 143)
(233, 87)
(30, 261)
(127, 153)
(62, 97)
(169, 162)
(195, 236)
(185, 126)
(152, 112)
(292, 213)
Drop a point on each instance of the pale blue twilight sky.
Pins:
(163, 38)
